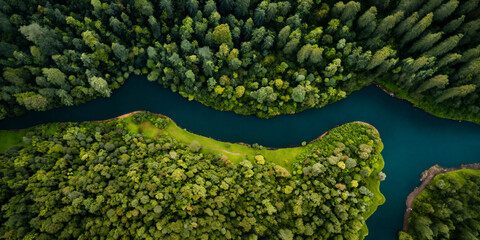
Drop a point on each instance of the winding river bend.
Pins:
(414, 140)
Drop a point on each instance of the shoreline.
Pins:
(426, 177)
(413, 104)
(241, 143)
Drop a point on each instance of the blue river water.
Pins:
(414, 140)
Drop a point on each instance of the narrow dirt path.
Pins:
(426, 178)
(225, 151)
(119, 117)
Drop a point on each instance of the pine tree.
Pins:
(425, 42)
(226, 6)
(350, 11)
(454, 24)
(406, 24)
(470, 28)
(120, 51)
(337, 9)
(291, 46)
(441, 230)
(144, 7)
(241, 7)
(388, 23)
(468, 6)
(283, 36)
(448, 59)
(192, 7)
(385, 66)
(381, 4)
(456, 92)
(167, 6)
(258, 35)
(418, 29)
(472, 68)
(248, 28)
(259, 17)
(407, 6)
(422, 225)
(268, 42)
(439, 81)
(379, 56)
(156, 31)
(43, 37)
(271, 12)
(209, 8)
(367, 18)
(304, 8)
(304, 53)
(445, 46)
(285, 7)
(470, 54)
(65, 98)
(429, 7)
(445, 10)
(412, 66)
(316, 55)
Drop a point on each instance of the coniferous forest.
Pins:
(138, 178)
(448, 208)
(252, 57)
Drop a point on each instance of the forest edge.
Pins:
(426, 177)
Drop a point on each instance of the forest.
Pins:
(448, 208)
(135, 178)
(249, 56)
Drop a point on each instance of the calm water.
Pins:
(413, 139)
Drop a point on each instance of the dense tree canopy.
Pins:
(208, 49)
(131, 178)
(448, 208)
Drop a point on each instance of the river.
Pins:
(414, 140)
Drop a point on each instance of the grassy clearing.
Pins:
(10, 138)
(284, 157)
(236, 152)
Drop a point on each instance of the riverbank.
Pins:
(426, 177)
(235, 151)
(401, 94)
(243, 144)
